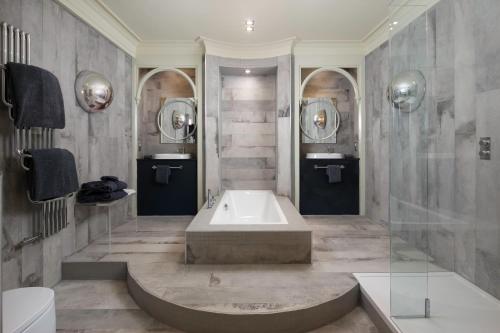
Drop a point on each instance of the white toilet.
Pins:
(29, 310)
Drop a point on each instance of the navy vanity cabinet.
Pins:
(178, 197)
(319, 197)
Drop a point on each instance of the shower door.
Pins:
(409, 217)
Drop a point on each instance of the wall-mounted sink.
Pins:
(325, 156)
(173, 156)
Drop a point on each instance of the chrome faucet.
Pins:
(211, 199)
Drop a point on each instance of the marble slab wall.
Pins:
(159, 87)
(212, 142)
(101, 142)
(439, 178)
(377, 134)
(248, 116)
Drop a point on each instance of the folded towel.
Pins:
(334, 173)
(36, 96)
(112, 178)
(162, 174)
(103, 186)
(100, 197)
(52, 173)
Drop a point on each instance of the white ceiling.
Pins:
(223, 20)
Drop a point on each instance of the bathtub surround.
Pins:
(248, 115)
(455, 45)
(219, 236)
(213, 107)
(100, 142)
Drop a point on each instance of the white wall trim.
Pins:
(101, 18)
(180, 47)
(247, 51)
(311, 47)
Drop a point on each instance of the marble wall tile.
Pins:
(101, 143)
(486, 30)
(255, 125)
(284, 179)
(377, 134)
(250, 135)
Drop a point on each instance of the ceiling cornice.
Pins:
(326, 47)
(172, 47)
(247, 51)
(104, 20)
(101, 18)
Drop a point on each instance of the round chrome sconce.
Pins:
(94, 92)
(407, 90)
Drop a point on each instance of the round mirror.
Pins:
(177, 119)
(407, 90)
(319, 118)
(94, 92)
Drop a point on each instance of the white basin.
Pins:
(325, 156)
(171, 156)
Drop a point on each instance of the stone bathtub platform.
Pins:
(252, 243)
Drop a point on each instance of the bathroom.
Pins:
(287, 167)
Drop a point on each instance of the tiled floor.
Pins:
(341, 245)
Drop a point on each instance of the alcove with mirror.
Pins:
(329, 123)
(167, 148)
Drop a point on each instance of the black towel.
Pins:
(112, 178)
(100, 197)
(36, 96)
(52, 173)
(162, 174)
(103, 186)
(334, 173)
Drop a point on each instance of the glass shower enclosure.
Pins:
(444, 94)
(410, 98)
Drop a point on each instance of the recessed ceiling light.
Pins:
(395, 22)
(248, 71)
(249, 25)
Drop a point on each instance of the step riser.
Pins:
(196, 321)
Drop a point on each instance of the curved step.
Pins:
(224, 299)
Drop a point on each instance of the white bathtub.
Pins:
(248, 207)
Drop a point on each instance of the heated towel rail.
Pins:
(50, 216)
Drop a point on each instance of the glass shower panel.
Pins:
(409, 151)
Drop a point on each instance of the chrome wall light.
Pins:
(407, 91)
(94, 92)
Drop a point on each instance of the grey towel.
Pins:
(36, 96)
(52, 173)
(334, 173)
(162, 174)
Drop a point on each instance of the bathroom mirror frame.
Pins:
(159, 119)
(336, 114)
